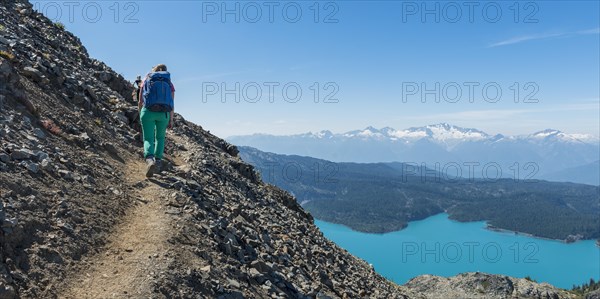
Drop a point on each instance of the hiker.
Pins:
(156, 114)
(137, 85)
(135, 118)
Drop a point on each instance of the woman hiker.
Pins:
(156, 103)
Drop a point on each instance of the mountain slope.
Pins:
(66, 155)
(78, 221)
(585, 174)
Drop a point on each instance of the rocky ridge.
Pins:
(480, 285)
(74, 212)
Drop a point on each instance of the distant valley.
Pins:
(383, 197)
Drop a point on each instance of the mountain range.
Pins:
(547, 154)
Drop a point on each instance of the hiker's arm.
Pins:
(140, 100)
(172, 111)
(140, 104)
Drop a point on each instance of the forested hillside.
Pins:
(379, 197)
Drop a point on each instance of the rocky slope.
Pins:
(480, 285)
(79, 221)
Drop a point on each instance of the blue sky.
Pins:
(367, 55)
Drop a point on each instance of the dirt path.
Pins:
(136, 253)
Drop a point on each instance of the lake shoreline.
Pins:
(487, 226)
(444, 247)
(508, 231)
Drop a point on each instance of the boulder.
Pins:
(33, 74)
(21, 154)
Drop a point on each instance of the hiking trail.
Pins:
(137, 250)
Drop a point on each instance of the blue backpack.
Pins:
(157, 95)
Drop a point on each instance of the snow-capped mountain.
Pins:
(441, 133)
(550, 150)
(556, 135)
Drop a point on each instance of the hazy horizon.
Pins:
(404, 128)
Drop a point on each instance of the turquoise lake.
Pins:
(440, 246)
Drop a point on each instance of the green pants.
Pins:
(154, 128)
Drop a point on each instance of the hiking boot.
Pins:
(158, 165)
(151, 167)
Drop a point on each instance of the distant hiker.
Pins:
(137, 85)
(135, 122)
(156, 114)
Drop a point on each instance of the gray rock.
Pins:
(5, 68)
(104, 76)
(233, 283)
(78, 99)
(121, 117)
(39, 133)
(232, 149)
(26, 11)
(253, 272)
(9, 223)
(261, 266)
(56, 70)
(111, 148)
(84, 137)
(232, 295)
(33, 73)
(33, 167)
(92, 93)
(65, 174)
(46, 163)
(593, 295)
(21, 154)
(33, 139)
(4, 158)
(40, 155)
(7, 292)
(323, 296)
